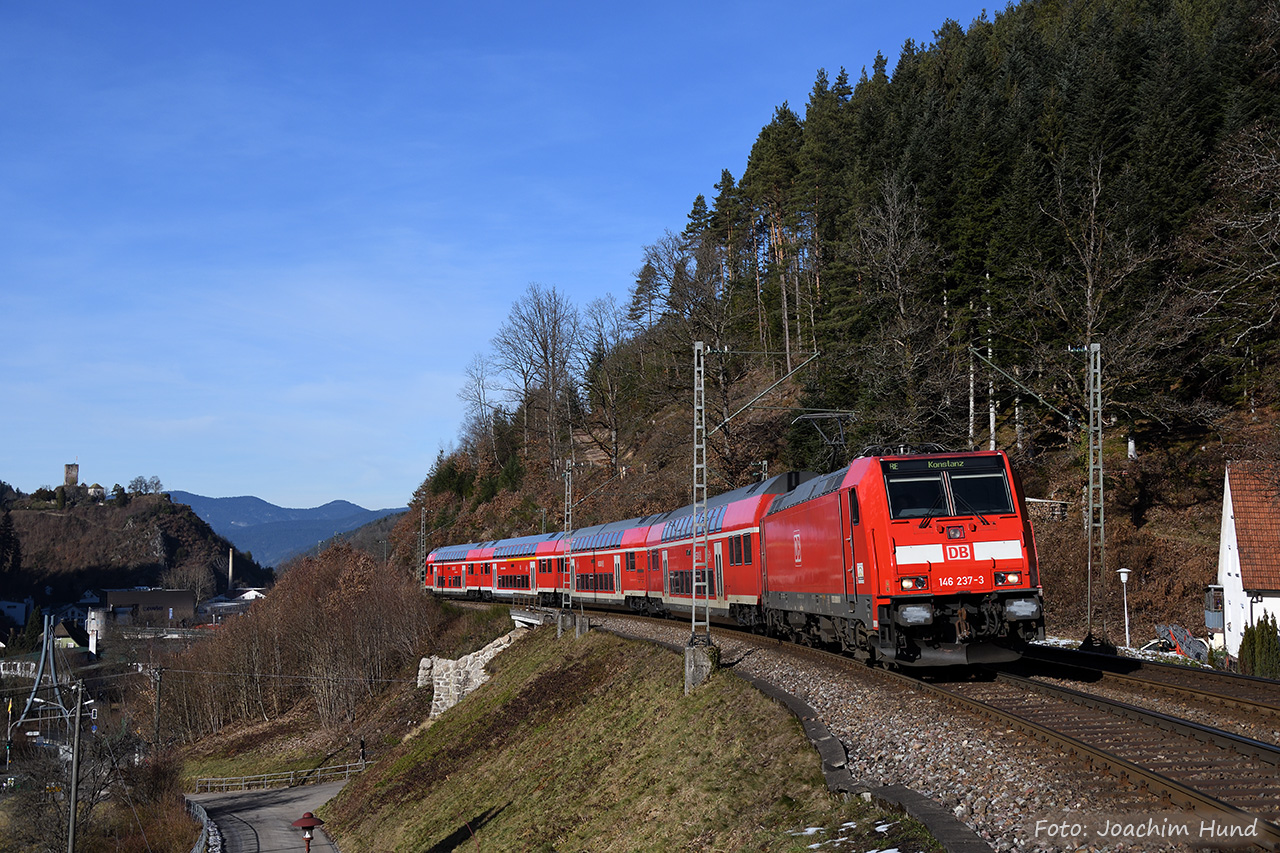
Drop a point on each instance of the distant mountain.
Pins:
(272, 533)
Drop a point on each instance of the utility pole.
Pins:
(1095, 528)
(156, 674)
(46, 681)
(991, 382)
(75, 772)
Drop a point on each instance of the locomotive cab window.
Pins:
(915, 495)
(946, 488)
(982, 493)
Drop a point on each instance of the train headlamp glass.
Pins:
(913, 584)
(1018, 609)
(1008, 578)
(916, 614)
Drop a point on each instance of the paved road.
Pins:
(261, 821)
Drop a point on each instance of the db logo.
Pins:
(959, 552)
(797, 540)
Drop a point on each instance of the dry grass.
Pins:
(590, 745)
(296, 740)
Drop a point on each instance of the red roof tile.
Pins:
(1255, 502)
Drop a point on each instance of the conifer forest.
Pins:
(949, 230)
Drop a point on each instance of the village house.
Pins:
(1248, 553)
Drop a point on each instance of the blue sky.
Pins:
(250, 248)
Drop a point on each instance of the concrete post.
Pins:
(699, 662)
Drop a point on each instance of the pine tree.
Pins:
(10, 550)
(1260, 648)
(699, 220)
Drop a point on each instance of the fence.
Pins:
(284, 779)
(210, 840)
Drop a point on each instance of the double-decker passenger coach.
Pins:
(918, 557)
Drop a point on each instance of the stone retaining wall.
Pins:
(452, 680)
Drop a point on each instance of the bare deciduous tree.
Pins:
(905, 366)
(535, 346)
(476, 393)
(605, 373)
(1239, 242)
(1096, 293)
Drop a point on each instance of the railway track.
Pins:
(1190, 765)
(1229, 779)
(1187, 764)
(1254, 696)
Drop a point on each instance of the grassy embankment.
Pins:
(589, 744)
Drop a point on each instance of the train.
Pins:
(909, 556)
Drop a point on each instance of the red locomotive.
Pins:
(917, 558)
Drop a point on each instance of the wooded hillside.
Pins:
(66, 548)
(1065, 174)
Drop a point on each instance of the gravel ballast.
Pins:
(998, 782)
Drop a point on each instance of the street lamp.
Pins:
(308, 822)
(1124, 588)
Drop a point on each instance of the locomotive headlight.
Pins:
(913, 584)
(1019, 609)
(1008, 578)
(915, 614)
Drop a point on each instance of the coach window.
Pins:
(746, 549)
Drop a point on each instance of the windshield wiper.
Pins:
(960, 500)
(928, 514)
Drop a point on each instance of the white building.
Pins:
(1249, 548)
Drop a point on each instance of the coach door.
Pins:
(718, 591)
(617, 573)
(856, 555)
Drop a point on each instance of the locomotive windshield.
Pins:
(932, 488)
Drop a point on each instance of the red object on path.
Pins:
(308, 821)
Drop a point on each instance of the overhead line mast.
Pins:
(701, 536)
(701, 532)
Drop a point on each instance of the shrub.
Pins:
(1260, 648)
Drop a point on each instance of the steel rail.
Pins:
(1179, 686)
(1169, 789)
(1208, 734)
(1241, 702)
